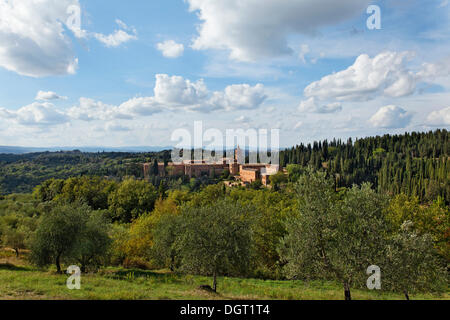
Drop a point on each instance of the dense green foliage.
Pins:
(416, 164)
(21, 173)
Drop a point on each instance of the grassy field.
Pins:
(18, 280)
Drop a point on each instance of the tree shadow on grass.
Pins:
(131, 274)
(11, 267)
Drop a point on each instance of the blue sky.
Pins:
(133, 72)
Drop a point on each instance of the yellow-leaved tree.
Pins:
(139, 241)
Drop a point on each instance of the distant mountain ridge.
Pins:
(24, 150)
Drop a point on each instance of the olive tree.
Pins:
(212, 240)
(334, 236)
(57, 234)
(93, 242)
(413, 263)
(70, 232)
(308, 238)
(164, 250)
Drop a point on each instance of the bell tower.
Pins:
(234, 166)
(237, 153)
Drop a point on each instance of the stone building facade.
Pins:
(246, 173)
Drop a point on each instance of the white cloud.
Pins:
(256, 29)
(35, 114)
(170, 49)
(142, 106)
(118, 37)
(433, 71)
(240, 96)
(307, 105)
(330, 108)
(32, 37)
(392, 117)
(173, 93)
(48, 95)
(385, 74)
(175, 90)
(311, 106)
(34, 41)
(90, 110)
(439, 118)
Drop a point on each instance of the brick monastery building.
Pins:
(246, 173)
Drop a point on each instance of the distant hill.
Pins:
(23, 150)
(20, 173)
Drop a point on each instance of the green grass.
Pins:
(19, 281)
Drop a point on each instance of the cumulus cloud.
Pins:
(172, 93)
(48, 95)
(170, 49)
(90, 110)
(256, 29)
(141, 106)
(311, 106)
(385, 74)
(118, 37)
(392, 117)
(32, 38)
(432, 71)
(239, 96)
(439, 118)
(35, 114)
(175, 90)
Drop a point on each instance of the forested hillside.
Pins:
(21, 173)
(416, 164)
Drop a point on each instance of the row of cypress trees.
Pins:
(416, 164)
